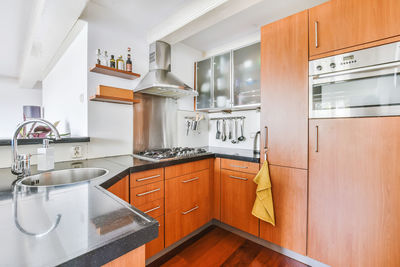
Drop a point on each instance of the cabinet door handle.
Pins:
(241, 167)
(316, 34)
(189, 211)
(148, 178)
(190, 180)
(239, 178)
(316, 138)
(148, 192)
(153, 209)
(266, 138)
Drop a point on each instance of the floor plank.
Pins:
(219, 247)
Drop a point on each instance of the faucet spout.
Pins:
(21, 163)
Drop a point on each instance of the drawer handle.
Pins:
(148, 192)
(241, 167)
(153, 209)
(190, 180)
(148, 178)
(239, 178)
(189, 211)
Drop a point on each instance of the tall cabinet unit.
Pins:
(354, 180)
(284, 127)
(340, 24)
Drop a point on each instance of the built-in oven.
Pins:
(363, 83)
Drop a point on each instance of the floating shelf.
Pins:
(114, 72)
(112, 99)
(114, 95)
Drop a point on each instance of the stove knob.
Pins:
(319, 67)
(332, 65)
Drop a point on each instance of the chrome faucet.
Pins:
(21, 163)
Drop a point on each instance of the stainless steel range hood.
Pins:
(159, 80)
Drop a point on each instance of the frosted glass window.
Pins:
(204, 85)
(222, 80)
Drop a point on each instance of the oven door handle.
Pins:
(359, 70)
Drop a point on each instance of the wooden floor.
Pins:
(218, 247)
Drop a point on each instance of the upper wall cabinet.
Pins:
(340, 24)
(230, 80)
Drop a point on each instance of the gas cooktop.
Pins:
(164, 154)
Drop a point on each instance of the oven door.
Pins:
(362, 92)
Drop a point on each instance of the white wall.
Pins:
(65, 89)
(12, 99)
(111, 125)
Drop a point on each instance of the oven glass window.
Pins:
(360, 93)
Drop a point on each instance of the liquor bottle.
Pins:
(128, 61)
(106, 62)
(120, 63)
(112, 62)
(98, 55)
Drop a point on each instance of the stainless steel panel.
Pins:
(154, 122)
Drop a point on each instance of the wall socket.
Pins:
(76, 152)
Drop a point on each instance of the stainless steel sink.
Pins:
(62, 177)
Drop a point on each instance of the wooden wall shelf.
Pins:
(114, 72)
(114, 95)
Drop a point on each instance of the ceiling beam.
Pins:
(50, 23)
(195, 17)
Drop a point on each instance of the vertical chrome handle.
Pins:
(316, 34)
(316, 138)
(266, 138)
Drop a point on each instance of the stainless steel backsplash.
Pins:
(154, 122)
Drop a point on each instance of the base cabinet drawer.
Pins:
(147, 193)
(240, 166)
(182, 222)
(238, 193)
(157, 244)
(147, 177)
(154, 208)
(183, 192)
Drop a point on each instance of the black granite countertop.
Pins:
(35, 141)
(78, 240)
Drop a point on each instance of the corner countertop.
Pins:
(84, 211)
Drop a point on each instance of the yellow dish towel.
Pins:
(263, 206)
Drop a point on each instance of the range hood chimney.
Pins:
(159, 80)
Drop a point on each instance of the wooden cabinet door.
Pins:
(284, 91)
(354, 184)
(156, 245)
(121, 188)
(341, 24)
(238, 192)
(289, 191)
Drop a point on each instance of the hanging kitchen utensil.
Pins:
(230, 126)
(241, 138)
(218, 134)
(223, 137)
(235, 141)
(187, 127)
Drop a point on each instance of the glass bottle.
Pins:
(106, 62)
(120, 63)
(128, 61)
(98, 55)
(112, 62)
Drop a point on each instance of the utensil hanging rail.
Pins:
(228, 118)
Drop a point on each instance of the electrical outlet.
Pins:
(76, 152)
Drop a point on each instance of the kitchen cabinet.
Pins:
(187, 199)
(121, 188)
(340, 24)
(204, 84)
(147, 194)
(241, 166)
(156, 245)
(284, 91)
(246, 75)
(216, 189)
(230, 80)
(222, 78)
(354, 204)
(238, 193)
(289, 190)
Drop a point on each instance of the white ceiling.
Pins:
(14, 19)
(247, 22)
(139, 15)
